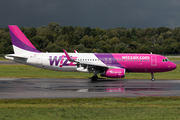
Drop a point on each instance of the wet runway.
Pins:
(78, 88)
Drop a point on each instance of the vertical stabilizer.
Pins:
(20, 42)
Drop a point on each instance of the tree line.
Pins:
(54, 38)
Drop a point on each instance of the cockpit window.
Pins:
(165, 60)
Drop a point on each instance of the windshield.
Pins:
(165, 60)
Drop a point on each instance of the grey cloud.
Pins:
(93, 13)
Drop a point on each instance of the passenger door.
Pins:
(153, 61)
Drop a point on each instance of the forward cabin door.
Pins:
(153, 61)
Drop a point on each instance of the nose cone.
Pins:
(173, 66)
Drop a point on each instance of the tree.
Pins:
(100, 31)
(142, 40)
(174, 48)
(54, 27)
(120, 48)
(79, 47)
(79, 32)
(87, 31)
(157, 49)
(37, 42)
(162, 30)
(133, 32)
(125, 40)
(143, 49)
(105, 37)
(87, 41)
(30, 32)
(107, 48)
(166, 35)
(133, 45)
(168, 41)
(54, 37)
(128, 35)
(114, 41)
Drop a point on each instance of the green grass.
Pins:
(2, 58)
(174, 59)
(92, 108)
(24, 71)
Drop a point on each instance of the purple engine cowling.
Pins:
(114, 73)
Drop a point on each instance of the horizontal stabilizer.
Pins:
(16, 56)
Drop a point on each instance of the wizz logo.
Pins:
(61, 61)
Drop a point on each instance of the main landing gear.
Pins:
(152, 77)
(95, 77)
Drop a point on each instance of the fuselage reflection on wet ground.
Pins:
(78, 88)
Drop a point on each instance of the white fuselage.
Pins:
(56, 61)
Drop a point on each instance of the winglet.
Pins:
(75, 51)
(67, 55)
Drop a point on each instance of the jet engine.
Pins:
(114, 73)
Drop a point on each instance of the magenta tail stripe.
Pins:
(21, 41)
(19, 34)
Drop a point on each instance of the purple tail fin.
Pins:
(20, 42)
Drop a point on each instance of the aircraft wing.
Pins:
(86, 63)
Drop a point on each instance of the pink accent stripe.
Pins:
(71, 64)
(61, 62)
(68, 57)
(20, 35)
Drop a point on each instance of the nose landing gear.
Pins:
(152, 77)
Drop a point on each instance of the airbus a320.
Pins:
(112, 65)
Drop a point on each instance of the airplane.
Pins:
(112, 65)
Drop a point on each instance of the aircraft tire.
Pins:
(153, 79)
(94, 78)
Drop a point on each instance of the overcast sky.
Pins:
(91, 13)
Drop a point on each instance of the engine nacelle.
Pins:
(114, 73)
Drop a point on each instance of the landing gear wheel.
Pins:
(94, 78)
(153, 79)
